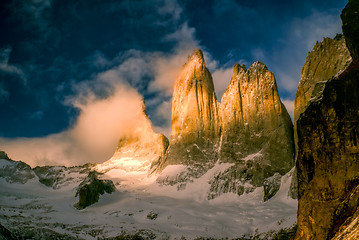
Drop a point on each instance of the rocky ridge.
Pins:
(327, 58)
(250, 130)
(328, 152)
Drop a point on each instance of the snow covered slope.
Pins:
(142, 206)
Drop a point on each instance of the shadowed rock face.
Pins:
(326, 59)
(350, 18)
(91, 188)
(257, 132)
(328, 151)
(195, 122)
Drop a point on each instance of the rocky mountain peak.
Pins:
(195, 123)
(194, 104)
(197, 55)
(256, 130)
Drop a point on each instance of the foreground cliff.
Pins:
(328, 151)
(257, 133)
(326, 59)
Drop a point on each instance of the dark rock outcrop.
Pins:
(5, 234)
(60, 176)
(14, 171)
(91, 188)
(326, 59)
(350, 19)
(328, 151)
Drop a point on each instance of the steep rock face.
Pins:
(328, 157)
(195, 122)
(141, 151)
(350, 18)
(257, 132)
(328, 152)
(326, 59)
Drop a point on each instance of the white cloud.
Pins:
(221, 79)
(110, 106)
(7, 68)
(287, 59)
(172, 8)
(289, 105)
(94, 136)
(184, 38)
(3, 93)
(33, 12)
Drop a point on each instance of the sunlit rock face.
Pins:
(195, 122)
(257, 133)
(141, 151)
(328, 151)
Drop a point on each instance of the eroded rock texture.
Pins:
(326, 59)
(328, 152)
(257, 133)
(195, 122)
(91, 188)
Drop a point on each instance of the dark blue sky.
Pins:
(51, 49)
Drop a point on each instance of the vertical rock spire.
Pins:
(195, 122)
(257, 134)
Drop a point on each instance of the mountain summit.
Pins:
(249, 134)
(257, 133)
(195, 124)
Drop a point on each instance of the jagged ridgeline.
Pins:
(326, 59)
(251, 130)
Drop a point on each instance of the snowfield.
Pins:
(141, 204)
